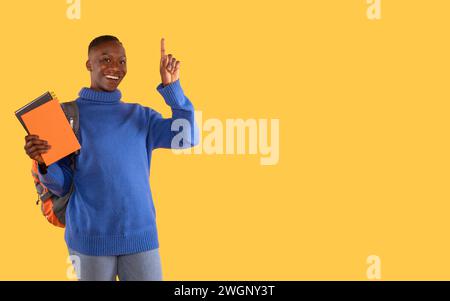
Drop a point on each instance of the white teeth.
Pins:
(112, 77)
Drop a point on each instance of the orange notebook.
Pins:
(49, 122)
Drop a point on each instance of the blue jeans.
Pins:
(145, 266)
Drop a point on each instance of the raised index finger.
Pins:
(163, 48)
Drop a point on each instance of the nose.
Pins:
(115, 66)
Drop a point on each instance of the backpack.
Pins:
(54, 207)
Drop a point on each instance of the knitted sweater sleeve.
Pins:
(57, 177)
(179, 131)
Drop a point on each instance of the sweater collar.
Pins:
(100, 96)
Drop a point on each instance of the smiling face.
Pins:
(108, 66)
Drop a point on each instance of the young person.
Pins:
(110, 217)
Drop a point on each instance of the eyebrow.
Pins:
(106, 53)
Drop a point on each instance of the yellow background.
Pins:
(363, 109)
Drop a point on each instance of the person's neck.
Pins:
(98, 89)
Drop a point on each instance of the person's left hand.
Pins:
(169, 67)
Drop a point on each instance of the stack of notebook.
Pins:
(45, 118)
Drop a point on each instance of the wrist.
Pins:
(42, 168)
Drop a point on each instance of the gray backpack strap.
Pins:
(71, 110)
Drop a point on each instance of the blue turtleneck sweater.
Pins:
(111, 210)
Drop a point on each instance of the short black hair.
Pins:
(100, 40)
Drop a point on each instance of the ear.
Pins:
(88, 65)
